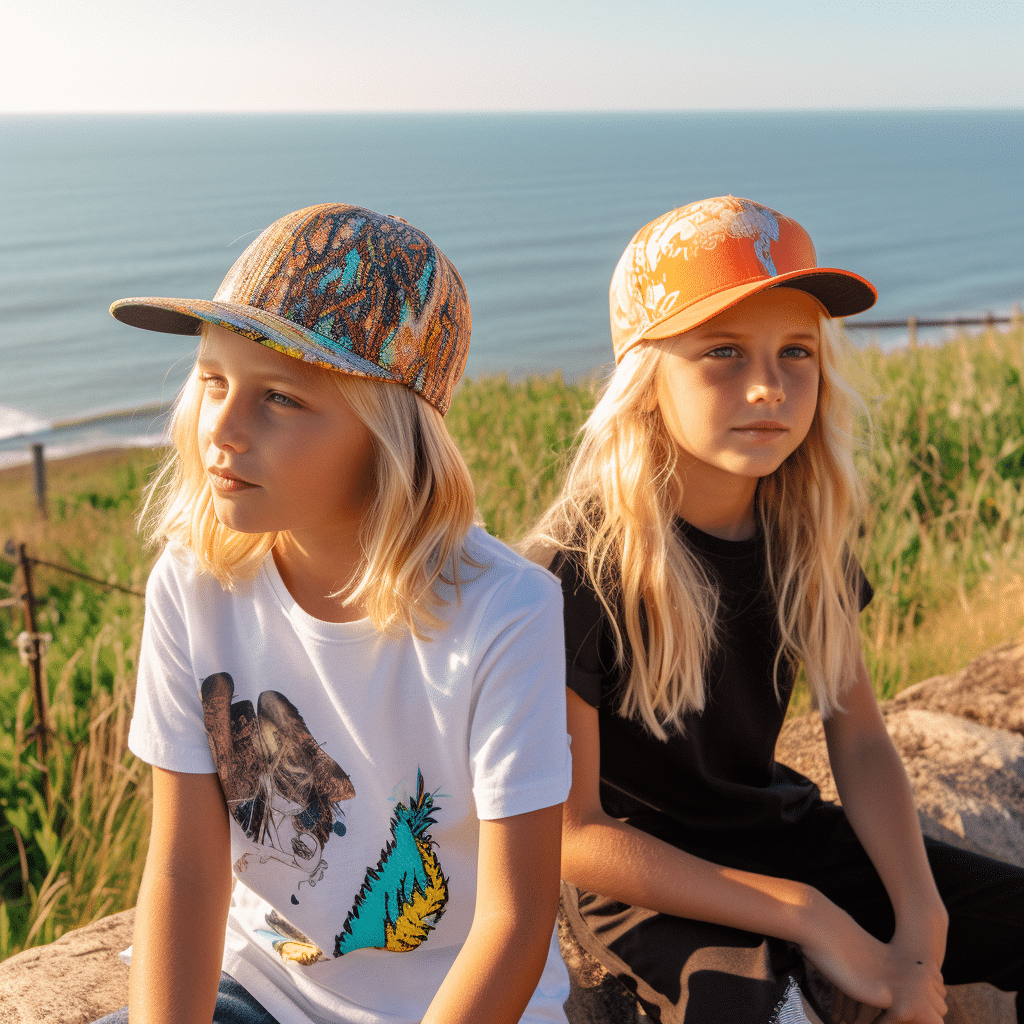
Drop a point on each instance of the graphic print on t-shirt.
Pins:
(404, 896)
(292, 945)
(275, 774)
(399, 903)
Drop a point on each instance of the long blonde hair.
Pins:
(616, 514)
(412, 535)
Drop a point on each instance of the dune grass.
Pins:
(944, 532)
(943, 545)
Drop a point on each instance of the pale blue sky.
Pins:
(213, 55)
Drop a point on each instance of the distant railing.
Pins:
(957, 321)
(32, 644)
(912, 323)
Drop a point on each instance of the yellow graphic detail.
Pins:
(299, 952)
(420, 914)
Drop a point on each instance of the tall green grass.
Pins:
(943, 544)
(74, 850)
(945, 520)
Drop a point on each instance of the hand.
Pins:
(853, 960)
(917, 952)
(907, 985)
(919, 996)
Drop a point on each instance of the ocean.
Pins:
(534, 210)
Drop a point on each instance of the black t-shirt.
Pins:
(717, 778)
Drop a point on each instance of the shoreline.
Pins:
(73, 433)
(77, 464)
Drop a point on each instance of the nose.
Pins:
(766, 385)
(225, 424)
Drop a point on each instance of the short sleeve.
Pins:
(167, 728)
(519, 746)
(584, 622)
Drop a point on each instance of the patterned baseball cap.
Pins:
(693, 263)
(341, 287)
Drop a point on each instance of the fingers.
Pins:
(919, 1005)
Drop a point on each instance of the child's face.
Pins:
(738, 394)
(283, 450)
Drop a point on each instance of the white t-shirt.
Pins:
(356, 767)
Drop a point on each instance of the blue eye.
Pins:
(278, 399)
(796, 352)
(724, 352)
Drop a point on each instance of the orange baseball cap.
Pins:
(693, 263)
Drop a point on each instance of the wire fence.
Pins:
(32, 643)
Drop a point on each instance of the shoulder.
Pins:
(568, 568)
(501, 578)
(860, 583)
(583, 607)
(857, 583)
(177, 581)
(173, 573)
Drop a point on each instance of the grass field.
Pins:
(943, 544)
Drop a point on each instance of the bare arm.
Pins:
(879, 805)
(607, 856)
(498, 968)
(183, 903)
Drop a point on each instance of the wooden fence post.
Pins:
(39, 475)
(990, 332)
(31, 648)
(912, 331)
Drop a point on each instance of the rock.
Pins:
(961, 738)
(967, 779)
(74, 980)
(990, 690)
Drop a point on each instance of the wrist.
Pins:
(926, 914)
(921, 933)
(811, 917)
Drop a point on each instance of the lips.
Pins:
(763, 425)
(226, 482)
(762, 430)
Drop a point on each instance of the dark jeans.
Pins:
(234, 1006)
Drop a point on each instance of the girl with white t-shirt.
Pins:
(345, 688)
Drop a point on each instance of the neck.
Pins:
(319, 571)
(717, 502)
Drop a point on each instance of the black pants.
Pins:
(670, 961)
(984, 897)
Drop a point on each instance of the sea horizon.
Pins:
(533, 208)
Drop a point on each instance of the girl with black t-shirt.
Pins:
(704, 538)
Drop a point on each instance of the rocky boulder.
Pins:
(74, 980)
(989, 691)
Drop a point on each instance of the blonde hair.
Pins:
(412, 535)
(616, 514)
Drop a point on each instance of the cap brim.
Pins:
(186, 316)
(841, 292)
